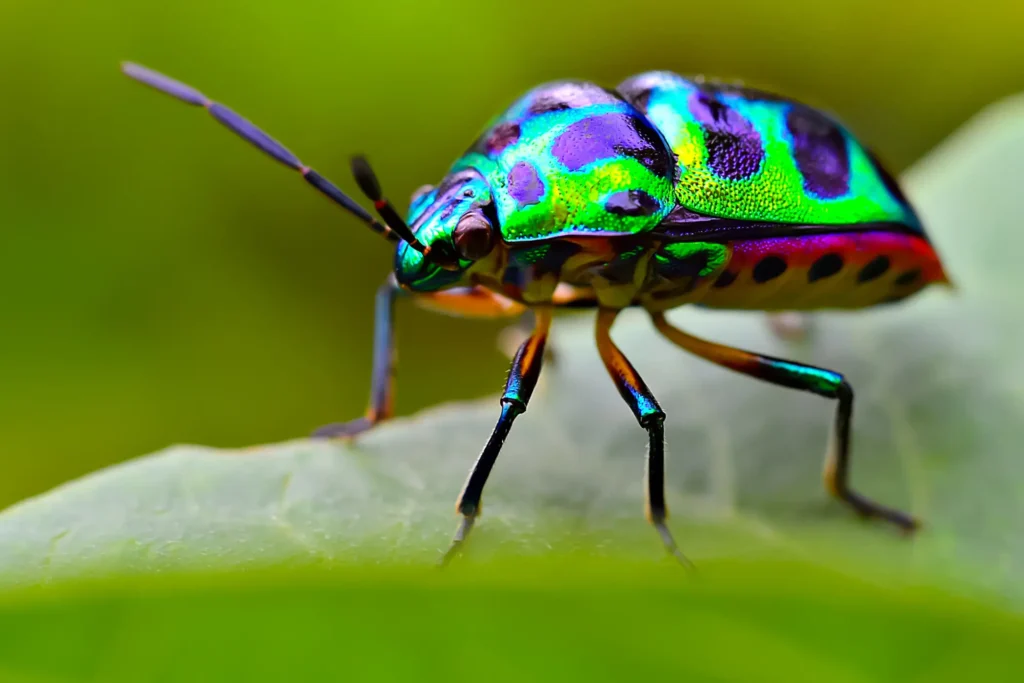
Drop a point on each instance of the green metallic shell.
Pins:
(753, 156)
(572, 158)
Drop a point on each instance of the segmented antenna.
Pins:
(367, 181)
(249, 132)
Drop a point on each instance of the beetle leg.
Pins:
(806, 378)
(522, 379)
(650, 416)
(472, 302)
(383, 374)
(510, 338)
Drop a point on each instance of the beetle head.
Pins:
(456, 223)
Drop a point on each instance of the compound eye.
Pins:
(474, 238)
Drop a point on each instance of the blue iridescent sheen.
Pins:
(818, 380)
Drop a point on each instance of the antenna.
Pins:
(394, 228)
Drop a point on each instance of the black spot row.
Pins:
(771, 267)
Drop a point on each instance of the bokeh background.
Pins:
(160, 282)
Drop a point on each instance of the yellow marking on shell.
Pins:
(689, 151)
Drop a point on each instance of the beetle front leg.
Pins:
(650, 416)
(513, 336)
(522, 379)
(383, 373)
(467, 302)
(806, 378)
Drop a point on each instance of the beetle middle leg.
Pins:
(513, 336)
(806, 378)
(522, 379)
(472, 302)
(650, 416)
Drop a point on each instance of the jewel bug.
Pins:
(661, 192)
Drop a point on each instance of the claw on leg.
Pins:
(465, 526)
(815, 380)
(670, 543)
(344, 430)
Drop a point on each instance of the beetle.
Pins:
(660, 192)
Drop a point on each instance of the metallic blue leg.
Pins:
(805, 378)
(650, 416)
(382, 382)
(522, 380)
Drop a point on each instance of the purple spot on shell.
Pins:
(502, 136)
(734, 145)
(524, 185)
(632, 203)
(611, 135)
(819, 148)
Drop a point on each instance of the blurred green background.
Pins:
(164, 283)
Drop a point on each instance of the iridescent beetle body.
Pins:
(662, 192)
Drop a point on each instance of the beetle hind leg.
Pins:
(805, 378)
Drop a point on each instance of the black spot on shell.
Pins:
(769, 268)
(725, 279)
(819, 149)
(826, 266)
(908, 278)
(734, 146)
(632, 203)
(874, 270)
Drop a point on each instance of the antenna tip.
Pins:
(366, 178)
(165, 84)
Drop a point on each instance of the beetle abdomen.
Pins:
(572, 158)
(749, 155)
(836, 270)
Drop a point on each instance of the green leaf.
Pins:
(516, 621)
(937, 430)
